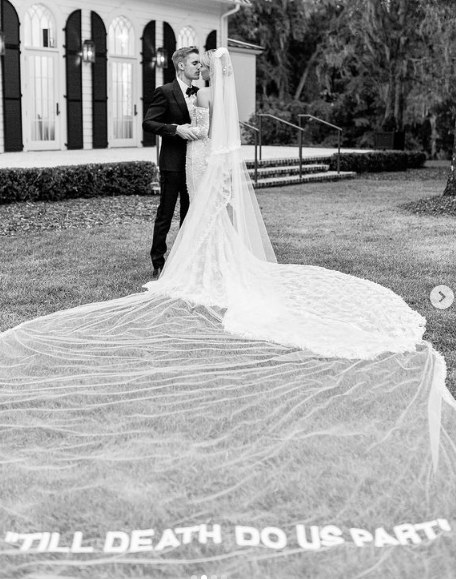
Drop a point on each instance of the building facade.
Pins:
(53, 97)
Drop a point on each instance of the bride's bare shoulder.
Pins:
(203, 97)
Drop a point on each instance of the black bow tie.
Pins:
(191, 90)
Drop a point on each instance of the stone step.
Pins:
(287, 170)
(289, 179)
(310, 178)
(288, 161)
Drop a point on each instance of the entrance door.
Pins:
(41, 95)
(123, 107)
(42, 112)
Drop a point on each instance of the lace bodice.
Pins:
(197, 151)
(200, 121)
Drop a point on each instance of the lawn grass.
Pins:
(357, 227)
(135, 452)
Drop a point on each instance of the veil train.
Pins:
(237, 392)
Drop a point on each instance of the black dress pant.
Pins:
(172, 185)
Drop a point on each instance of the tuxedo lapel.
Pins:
(177, 93)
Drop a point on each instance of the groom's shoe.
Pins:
(156, 273)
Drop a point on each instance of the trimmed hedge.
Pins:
(68, 182)
(377, 161)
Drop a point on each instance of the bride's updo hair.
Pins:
(207, 59)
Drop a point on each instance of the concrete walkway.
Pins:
(83, 156)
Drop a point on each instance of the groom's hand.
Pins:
(186, 132)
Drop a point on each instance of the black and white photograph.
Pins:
(227, 284)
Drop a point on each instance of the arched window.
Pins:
(187, 37)
(41, 85)
(121, 37)
(122, 70)
(40, 29)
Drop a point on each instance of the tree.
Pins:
(384, 36)
(362, 64)
(321, 20)
(439, 29)
(273, 25)
(291, 32)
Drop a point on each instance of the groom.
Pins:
(168, 116)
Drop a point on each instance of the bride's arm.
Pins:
(203, 97)
(203, 101)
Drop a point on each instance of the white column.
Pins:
(158, 44)
(2, 136)
(87, 121)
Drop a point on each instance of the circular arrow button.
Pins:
(442, 297)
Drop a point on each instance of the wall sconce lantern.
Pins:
(161, 58)
(2, 43)
(88, 51)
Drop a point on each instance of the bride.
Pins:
(234, 391)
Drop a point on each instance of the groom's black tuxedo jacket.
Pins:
(168, 109)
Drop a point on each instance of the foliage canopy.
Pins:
(366, 65)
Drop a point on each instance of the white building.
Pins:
(53, 98)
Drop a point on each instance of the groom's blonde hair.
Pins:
(181, 54)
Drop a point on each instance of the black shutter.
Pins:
(169, 44)
(73, 49)
(11, 69)
(148, 75)
(211, 40)
(99, 84)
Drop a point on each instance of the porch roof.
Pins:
(234, 43)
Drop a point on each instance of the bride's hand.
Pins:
(187, 132)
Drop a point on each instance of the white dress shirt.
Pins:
(190, 100)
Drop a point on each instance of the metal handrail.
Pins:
(278, 119)
(256, 132)
(321, 121)
(338, 129)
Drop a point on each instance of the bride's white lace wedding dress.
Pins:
(324, 311)
(234, 391)
(197, 151)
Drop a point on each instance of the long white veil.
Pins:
(224, 226)
(236, 396)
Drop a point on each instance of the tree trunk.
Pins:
(399, 99)
(282, 77)
(434, 135)
(388, 123)
(450, 188)
(305, 74)
(399, 104)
